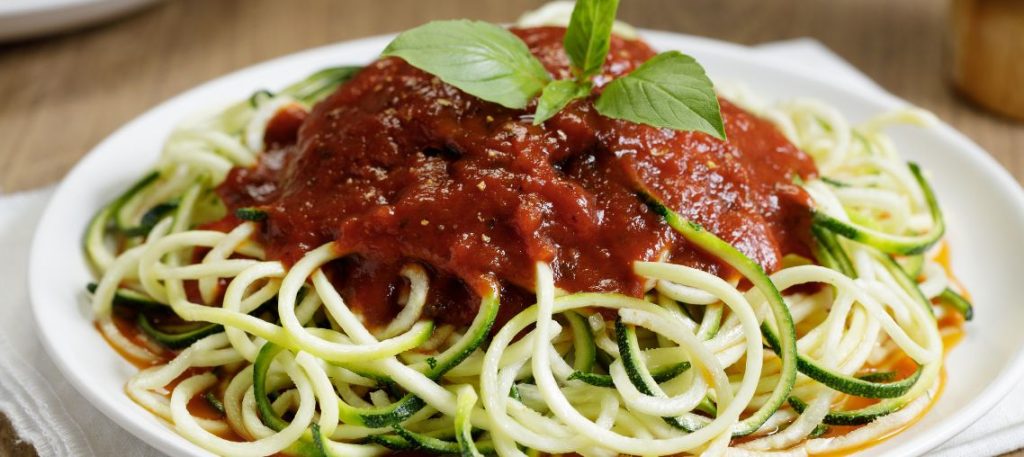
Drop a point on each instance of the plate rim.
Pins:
(169, 440)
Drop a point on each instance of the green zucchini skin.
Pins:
(892, 244)
(129, 298)
(311, 89)
(663, 374)
(850, 385)
(818, 431)
(862, 416)
(320, 84)
(320, 448)
(177, 340)
(261, 367)
(426, 443)
(150, 219)
(475, 335)
(912, 264)
(830, 253)
(594, 379)
(96, 230)
(136, 188)
(629, 352)
(259, 97)
(382, 417)
(251, 214)
(880, 376)
(311, 443)
(465, 401)
(214, 402)
(786, 337)
(781, 339)
(585, 351)
(464, 444)
(871, 386)
(950, 298)
(406, 440)
(833, 182)
(905, 281)
(393, 442)
(107, 219)
(410, 404)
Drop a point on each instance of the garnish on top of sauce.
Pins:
(670, 90)
(432, 196)
(398, 166)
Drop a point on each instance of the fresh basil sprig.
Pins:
(670, 90)
(588, 36)
(480, 58)
(586, 44)
(556, 96)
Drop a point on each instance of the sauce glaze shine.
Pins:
(397, 166)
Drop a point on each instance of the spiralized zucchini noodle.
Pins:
(699, 365)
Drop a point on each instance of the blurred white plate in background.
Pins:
(32, 18)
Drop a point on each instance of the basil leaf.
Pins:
(556, 96)
(589, 33)
(480, 58)
(670, 90)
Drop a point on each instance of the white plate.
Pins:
(984, 205)
(29, 18)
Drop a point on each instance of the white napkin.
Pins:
(47, 412)
(43, 407)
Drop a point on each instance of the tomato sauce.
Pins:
(951, 326)
(397, 166)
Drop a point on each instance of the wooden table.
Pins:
(62, 95)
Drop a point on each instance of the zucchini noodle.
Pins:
(762, 366)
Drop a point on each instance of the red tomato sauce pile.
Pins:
(397, 167)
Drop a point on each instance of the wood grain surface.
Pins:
(987, 41)
(62, 95)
